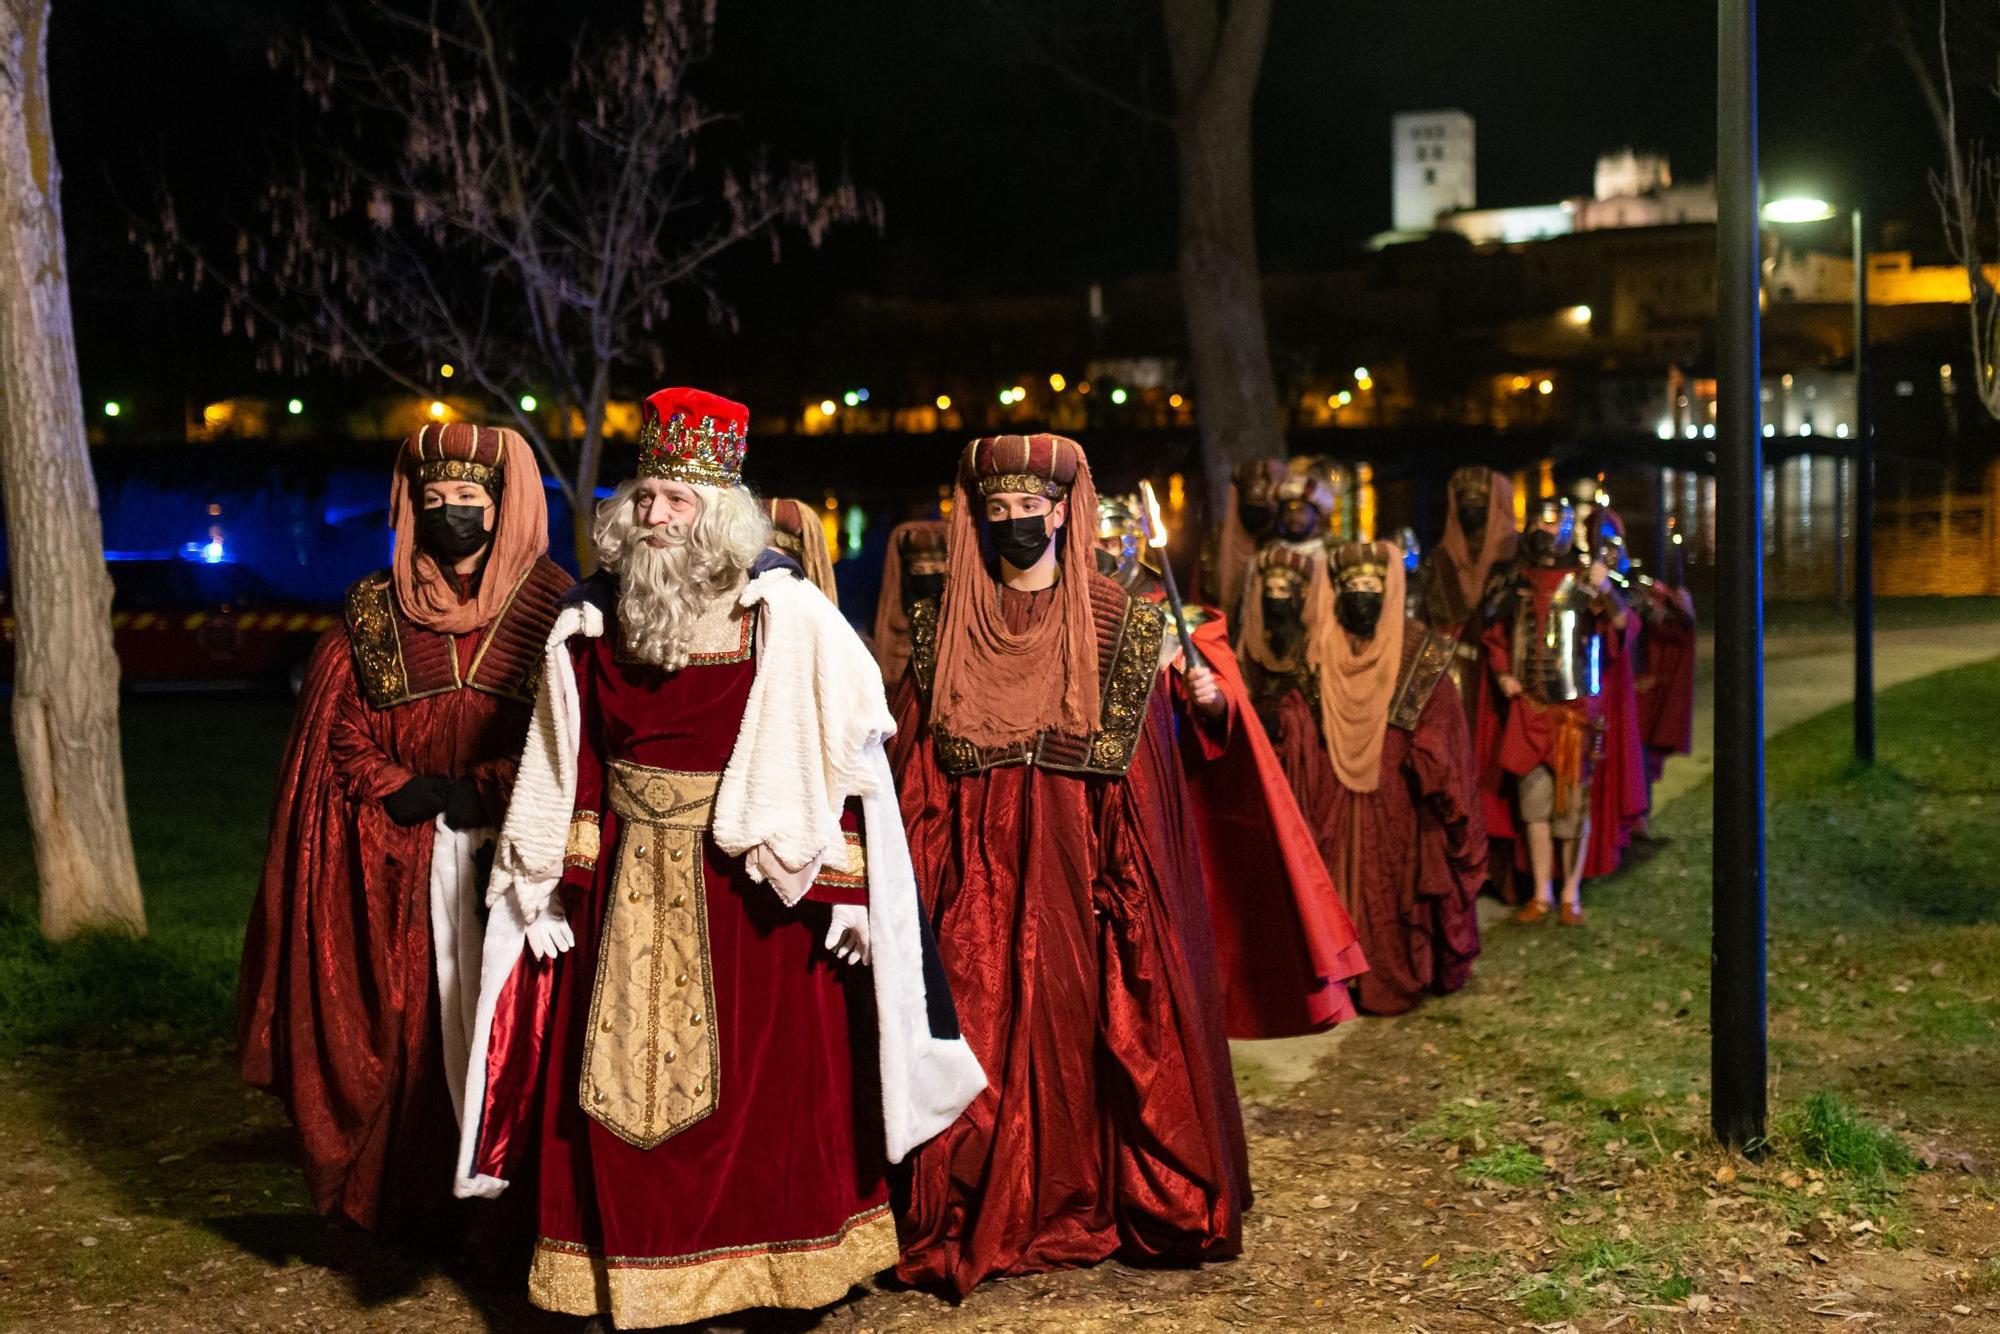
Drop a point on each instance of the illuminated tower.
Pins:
(1433, 153)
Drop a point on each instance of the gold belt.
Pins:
(651, 1060)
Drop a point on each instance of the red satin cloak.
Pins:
(1619, 795)
(1285, 947)
(1074, 931)
(337, 998)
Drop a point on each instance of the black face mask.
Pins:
(453, 532)
(1296, 521)
(1539, 544)
(1107, 564)
(1256, 519)
(1284, 624)
(1358, 612)
(1020, 542)
(917, 587)
(1472, 523)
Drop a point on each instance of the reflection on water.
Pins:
(1935, 533)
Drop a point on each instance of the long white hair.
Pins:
(662, 591)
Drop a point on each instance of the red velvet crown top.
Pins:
(690, 435)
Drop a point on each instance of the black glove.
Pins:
(464, 808)
(416, 801)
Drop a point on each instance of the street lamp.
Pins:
(1782, 212)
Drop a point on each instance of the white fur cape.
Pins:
(812, 736)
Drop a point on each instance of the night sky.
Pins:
(995, 176)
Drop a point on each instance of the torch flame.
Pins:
(1156, 527)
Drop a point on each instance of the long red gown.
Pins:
(1285, 947)
(337, 1010)
(1410, 856)
(1620, 795)
(1073, 930)
(778, 1196)
(1666, 692)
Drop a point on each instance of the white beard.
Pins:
(662, 601)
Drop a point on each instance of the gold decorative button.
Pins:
(681, 981)
(640, 853)
(672, 1057)
(696, 1021)
(598, 1097)
(680, 900)
(700, 1088)
(633, 896)
(605, 1025)
(677, 853)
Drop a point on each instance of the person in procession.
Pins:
(360, 962)
(1248, 517)
(1049, 824)
(706, 1021)
(912, 569)
(1621, 795)
(796, 530)
(1285, 947)
(1547, 638)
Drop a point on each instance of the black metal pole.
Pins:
(1840, 532)
(1736, 974)
(1864, 513)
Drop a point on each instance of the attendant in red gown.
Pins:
(1248, 518)
(412, 713)
(912, 570)
(1052, 837)
(713, 1086)
(1284, 945)
(1666, 684)
(1548, 639)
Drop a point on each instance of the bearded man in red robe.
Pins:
(1284, 944)
(353, 1004)
(1547, 639)
(703, 853)
(912, 570)
(1050, 828)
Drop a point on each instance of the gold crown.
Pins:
(706, 453)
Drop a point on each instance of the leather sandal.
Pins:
(1531, 912)
(1572, 914)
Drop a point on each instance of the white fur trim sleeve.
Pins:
(529, 860)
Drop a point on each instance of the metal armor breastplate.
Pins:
(1560, 658)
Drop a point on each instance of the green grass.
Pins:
(1509, 1165)
(1827, 1133)
(1914, 613)
(199, 774)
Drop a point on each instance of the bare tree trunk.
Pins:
(1217, 49)
(66, 674)
(590, 462)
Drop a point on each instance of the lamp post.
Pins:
(1736, 1005)
(1782, 212)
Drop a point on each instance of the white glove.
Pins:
(850, 925)
(549, 934)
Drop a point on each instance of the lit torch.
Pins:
(1156, 538)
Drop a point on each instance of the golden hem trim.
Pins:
(643, 1292)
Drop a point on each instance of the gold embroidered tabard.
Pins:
(651, 1060)
(1129, 634)
(1422, 669)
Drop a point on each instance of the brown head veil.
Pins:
(427, 594)
(994, 687)
(1356, 684)
(892, 623)
(1496, 545)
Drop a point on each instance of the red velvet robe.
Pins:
(1666, 690)
(772, 1195)
(337, 1010)
(1073, 930)
(1285, 947)
(1620, 795)
(1411, 855)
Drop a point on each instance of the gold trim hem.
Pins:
(644, 1292)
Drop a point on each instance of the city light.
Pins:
(1057, 383)
(1666, 430)
(861, 394)
(1344, 397)
(1020, 393)
(447, 370)
(1361, 373)
(944, 402)
(1546, 387)
(1083, 386)
(1118, 396)
(1944, 371)
(1363, 380)
(1798, 209)
(1841, 430)
(1805, 428)
(1175, 400)
(529, 403)
(295, 406)
(1579, 315)
(826, 407)
(113, 408)
(852, 398)
(1708, 431)
(437, 409)
(1333, 401)
(1769, 429)
(1520, 383)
